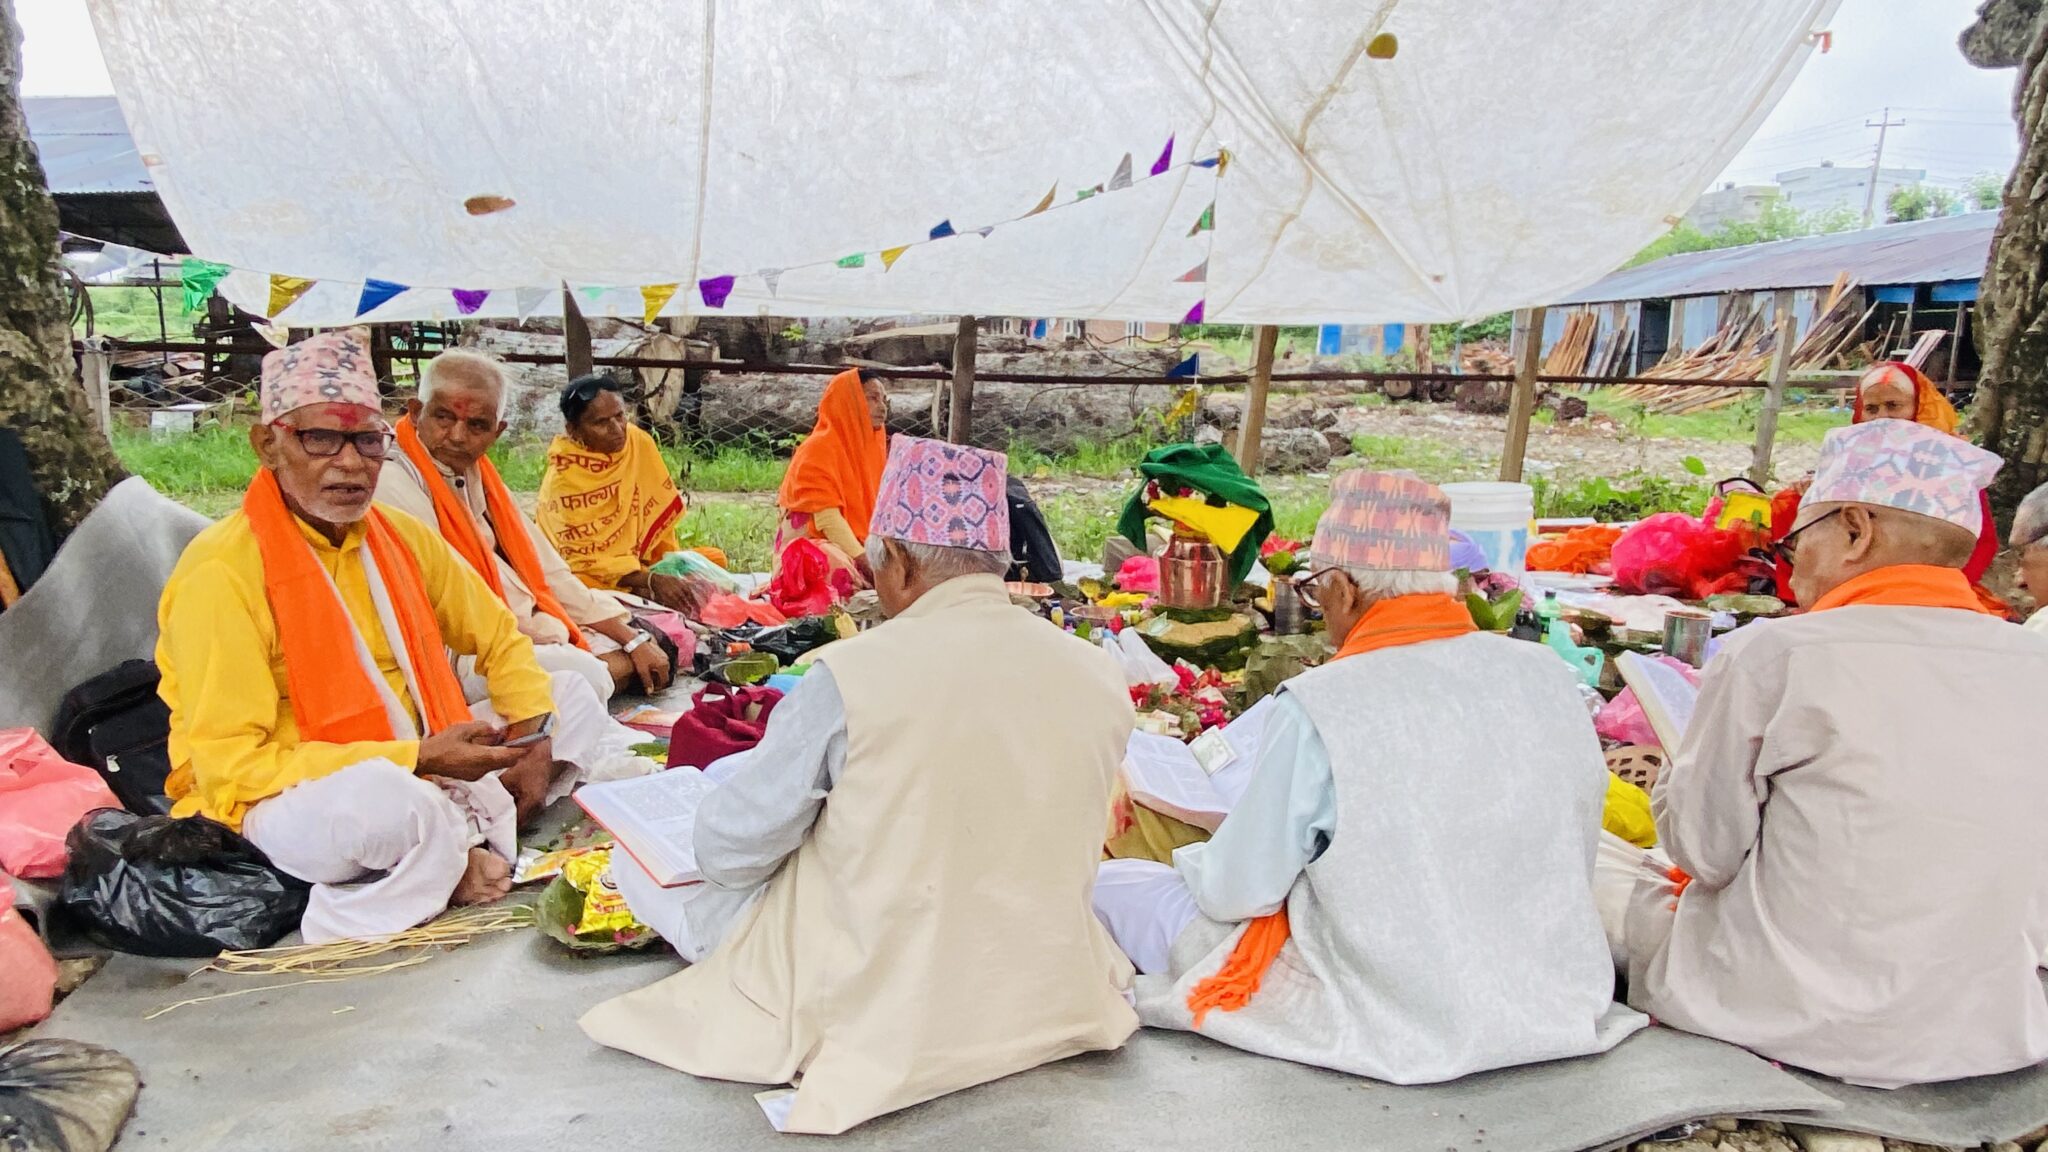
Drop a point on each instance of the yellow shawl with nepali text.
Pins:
(609, 515)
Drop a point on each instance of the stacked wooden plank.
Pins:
(1741, 349)
(1567, 357)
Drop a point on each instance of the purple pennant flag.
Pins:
(1165, 160)
(468, 300)
(1194, 315)
(715, 290)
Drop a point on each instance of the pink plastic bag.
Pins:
(727, 611)
(1622, 718)
(1139, 574)
(806, 583)
(41, 796)
(28, 976)
(1672, 554)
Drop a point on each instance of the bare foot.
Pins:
(487, 880)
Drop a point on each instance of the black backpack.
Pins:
(118, 724)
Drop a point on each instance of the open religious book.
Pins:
(654, 818)
(1201, 782)
(1667, 697)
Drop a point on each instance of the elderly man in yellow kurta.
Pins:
(923, 851)
(304, 653)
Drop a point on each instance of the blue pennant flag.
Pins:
(1187, 369)
(942, 229)
(377, 292)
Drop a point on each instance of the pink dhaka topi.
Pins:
(331, 368)
(1386, 522)
(1904, 465)
(943, 494)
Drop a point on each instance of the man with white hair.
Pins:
(1405, 890)
(442, 476)
(1856, 805)
(2030, 539)
(896, 883)
(304, 649)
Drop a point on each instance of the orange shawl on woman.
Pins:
(1932, 409)
(839, 465)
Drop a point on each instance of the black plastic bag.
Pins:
(162, 887)
(786, 642)
(64, 1096)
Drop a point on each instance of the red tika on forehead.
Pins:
(341, 417)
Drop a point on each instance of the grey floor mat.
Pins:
(1963, 1113)
(478, 1050)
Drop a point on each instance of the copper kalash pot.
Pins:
(1193, 573)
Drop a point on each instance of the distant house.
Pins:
(1823, 187)
(1047, 330)
(1911, 278)
(101, 185)
(1732, 204)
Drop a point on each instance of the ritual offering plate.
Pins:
(1746, 607)
(1028, 590)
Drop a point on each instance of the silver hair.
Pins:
(464, 358)
(938, 564)
(2030, 521)
(1386, 584)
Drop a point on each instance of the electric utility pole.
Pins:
(1877, 164)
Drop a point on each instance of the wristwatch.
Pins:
(629, 646)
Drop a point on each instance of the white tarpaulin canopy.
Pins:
(1506, 155)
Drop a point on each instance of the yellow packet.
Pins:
(604, 910)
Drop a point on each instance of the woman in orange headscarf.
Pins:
(828, 495)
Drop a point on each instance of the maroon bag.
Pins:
(723, 720)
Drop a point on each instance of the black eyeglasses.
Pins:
(1305, 586)
(326, 442)
(1789, 546)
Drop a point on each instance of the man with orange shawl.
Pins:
(1855, 806)
(1405, 890)
(607, 501)
(828, 495)
(304, 651)
(442, 476)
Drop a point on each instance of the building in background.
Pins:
(1823, 187)
(1732, 204)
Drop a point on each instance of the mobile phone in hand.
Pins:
(546, 729)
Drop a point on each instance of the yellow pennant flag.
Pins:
(285, 292)
(1047, 202)
(656, 297)
(889, 256)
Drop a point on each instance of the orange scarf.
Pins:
(839, 465)
(458, 527)
(1930, 407)
(1387, 624)
(1907, 586)
(333, 697)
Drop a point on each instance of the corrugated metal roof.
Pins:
(1923, 252)
(85, 146)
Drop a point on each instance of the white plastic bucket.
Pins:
(1496, 515)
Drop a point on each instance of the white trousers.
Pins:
(383, 848)
(556, 658)
(1619, 868)
(1146, 906)
(585, 733)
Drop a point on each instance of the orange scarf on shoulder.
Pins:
(1387, 624)
(1906, 586)
(333, 697)
(458, 527)
(839, 465)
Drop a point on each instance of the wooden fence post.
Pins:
(1527, 346)
(96, 372)
(1774, 395)
(1251, 429)
(575, 336)
(966, 342)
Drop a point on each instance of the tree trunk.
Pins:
(2010, 414)
(41, 398)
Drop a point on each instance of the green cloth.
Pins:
(1212, 471)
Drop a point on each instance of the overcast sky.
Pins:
(1896, 53)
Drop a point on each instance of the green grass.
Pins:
(130, 313)
(1437, 463)
(745, 531)
(1803, 420)
(1103, 460)
(728, 469)
(207, 469)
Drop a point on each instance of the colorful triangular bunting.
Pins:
(1206, 223)
(858, 259)
(1186, 369)
(1199, 274)
(377, 293)
(527, 301)
(1194, 315)
(770, 276)
(592, 293)
(468, 300)
(654, 297)
(714, 290)
(285, 292)
(1122, 179)
(890, 255)
(1085, 193)
(199, 278)
(1047, 202)
(1209, 161)
(986, 231)
(1165, 160)
(942, 229)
